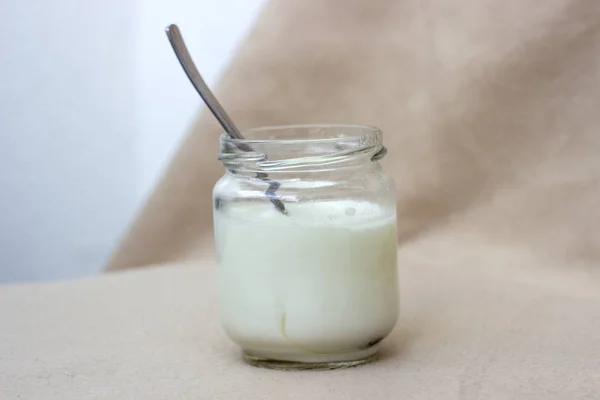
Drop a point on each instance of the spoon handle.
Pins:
(183, 55)
(203, 90)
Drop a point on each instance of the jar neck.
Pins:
(306, 149)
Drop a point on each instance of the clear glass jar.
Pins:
(305, 233)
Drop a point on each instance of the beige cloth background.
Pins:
(491, 111)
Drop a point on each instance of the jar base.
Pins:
(345, 361)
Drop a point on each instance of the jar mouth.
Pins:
(304, 134)
(286, 147)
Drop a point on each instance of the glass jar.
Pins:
(305, 234)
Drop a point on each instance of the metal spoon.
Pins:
(215, 107)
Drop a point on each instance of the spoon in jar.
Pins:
(215, 107)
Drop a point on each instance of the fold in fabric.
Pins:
(490, 112)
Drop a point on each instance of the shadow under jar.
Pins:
(314, 286)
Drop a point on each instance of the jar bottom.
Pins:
(315, 363)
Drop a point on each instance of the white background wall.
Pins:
(92, 105)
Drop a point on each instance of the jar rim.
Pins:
(354, 132)
(286, 147)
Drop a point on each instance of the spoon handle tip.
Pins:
(185, 59)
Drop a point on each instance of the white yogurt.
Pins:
(317, 285)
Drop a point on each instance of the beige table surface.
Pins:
(491, 324)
